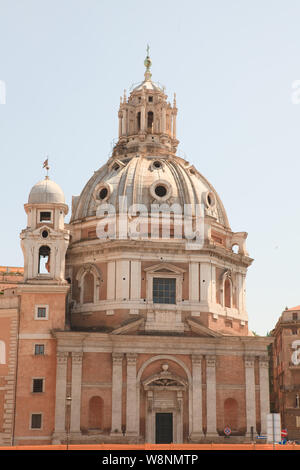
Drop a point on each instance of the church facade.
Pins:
(130, 324)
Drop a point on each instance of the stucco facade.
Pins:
(132, 330)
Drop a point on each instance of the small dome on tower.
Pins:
(45, 192)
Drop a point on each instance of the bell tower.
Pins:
(45, 240)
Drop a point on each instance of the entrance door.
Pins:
(164, 428)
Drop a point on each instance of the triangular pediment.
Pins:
(129, 328)
(202, 330)
(164, 268)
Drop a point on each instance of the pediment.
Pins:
(129, 328)
(202, 330)
(164, 268)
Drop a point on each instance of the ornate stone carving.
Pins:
(211, 361)
(249, 361)
(197, 359)
(131, 358)
(117, 358)
(77, 357)
(62, 357)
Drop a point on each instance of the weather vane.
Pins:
(46, 166)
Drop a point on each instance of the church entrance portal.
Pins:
(164, 428)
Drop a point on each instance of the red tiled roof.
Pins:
(294, 308)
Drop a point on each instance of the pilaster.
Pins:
(131, 397)
(61, 388)
(250, 394)
(211, 397)
(76, 391)
(197, 430)
(264, 392)
(117, 382)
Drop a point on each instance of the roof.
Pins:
(45, 192)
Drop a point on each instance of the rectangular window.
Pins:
(37, 385)
(39, 349)
(45, 216)
(164, 290)
(295, 316)
(41, 312)
(36, 421)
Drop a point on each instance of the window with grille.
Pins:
(164, 290)
(41, 312)
(39, 349)
(37, 385)
(36, 421)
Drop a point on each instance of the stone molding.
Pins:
(117, 358)
(211, 361)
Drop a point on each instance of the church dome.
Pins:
(146, 180)
(144, 166)
(45, 192)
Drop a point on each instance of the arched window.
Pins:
(88, 288)
(96, 413)
(150, 121)
(89, 279)
(231, 414)
(2, 353)
(44, 260)
(227, 293)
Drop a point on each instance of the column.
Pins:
(124, 122)
(174, 123)
(211, 397)
(143, 118)
(197, 430)
(117, 383)
(194, 281)
(163, 120)
(61, 389)
(76, 391)
(120, 115)
(250, 394)
(131, 397)
(264, 392)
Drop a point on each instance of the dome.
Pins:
(45, 192)
(148, 180)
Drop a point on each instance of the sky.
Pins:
(233, 64)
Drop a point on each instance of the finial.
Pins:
(148, 63)
(174, 101)
(124, 97)
(47, 167)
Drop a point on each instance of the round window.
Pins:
(157, 164)
(45, 233)
(210, 199)
(160, 190)
(103, 193)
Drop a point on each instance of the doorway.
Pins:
(163, 428)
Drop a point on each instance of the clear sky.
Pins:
(65, 64)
